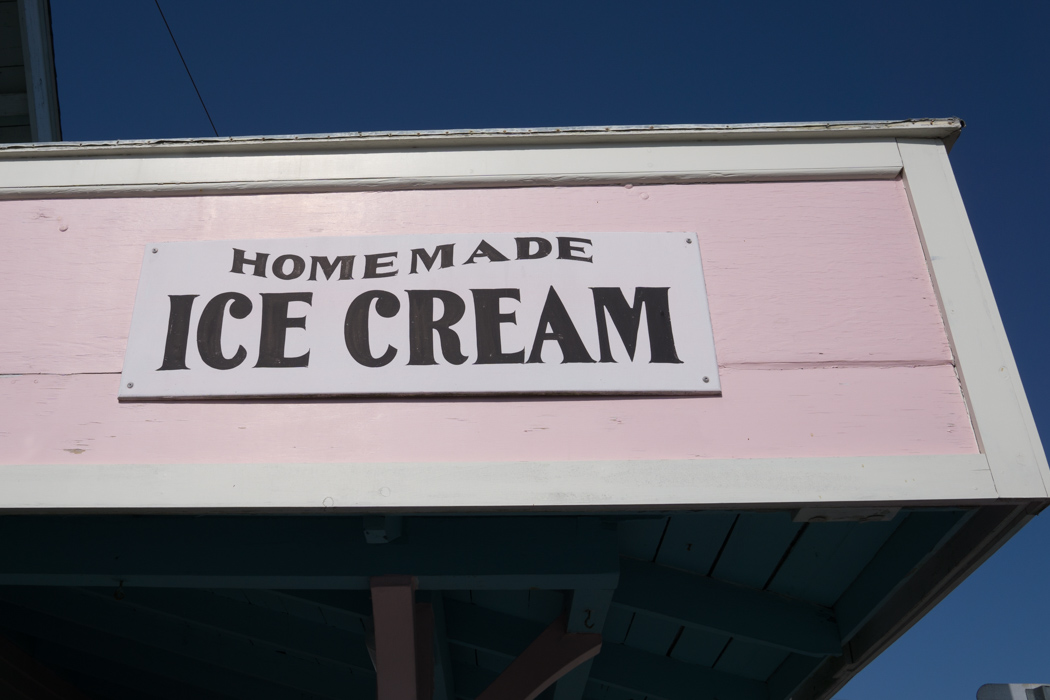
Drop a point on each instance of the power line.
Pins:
(192, 81)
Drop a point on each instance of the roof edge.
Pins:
(946, 130)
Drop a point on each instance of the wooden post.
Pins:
(394, 610)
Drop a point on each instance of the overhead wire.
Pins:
(184, 65)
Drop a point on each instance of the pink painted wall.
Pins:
(826, 327)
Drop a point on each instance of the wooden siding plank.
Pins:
(790, 675)
(617, 624)
(750, 660)
(774, 254)
(652, 634)
(697, 646)
(717, 606)
(762, 414)
(915, 540)
(345, 610)
(544, 606)
(828, 557)
(12, 79)
(666, 678)
(514, 603)
(693, 540)
(13, 104)
(755, 548)
(639, 538)
(16, 134)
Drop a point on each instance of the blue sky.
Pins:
(325, 66)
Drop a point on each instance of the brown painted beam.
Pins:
(394, 612)
(553, 654)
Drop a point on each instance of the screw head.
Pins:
(132, 384)
(689, 240)
(707, 380)
(154, 250)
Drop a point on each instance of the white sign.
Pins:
(596, 313)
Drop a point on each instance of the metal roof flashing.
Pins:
(946, 130)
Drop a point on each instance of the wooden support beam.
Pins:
(717, 606)
(443, 553)
(24, 677)
(588, 609)
(394, 612)
(505, 635)
(553, 654)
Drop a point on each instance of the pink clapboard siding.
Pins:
(762, 413)
(826, 327)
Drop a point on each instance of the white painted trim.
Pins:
(161, 173)
(538, 486)
(998, 406)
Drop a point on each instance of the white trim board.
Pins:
(999, 410)
(946, 130)
(161, 173)
(496, 486)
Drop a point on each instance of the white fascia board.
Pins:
(1002, 418)
(501, 486)
(160, 172)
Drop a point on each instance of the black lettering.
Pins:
(178, 331)
(355, 328)
(275, 325)
(259, 263)
(298, 265)
(345, 263)
(209, 329)
(543, 248)
(484, 250)
(567, 251)
(627, 319)
(487, 319)
(375, 261)
(421, 326)
(428, 259)
(555, 317)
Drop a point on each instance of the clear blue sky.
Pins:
(312, 66)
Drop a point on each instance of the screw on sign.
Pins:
(1014, 691)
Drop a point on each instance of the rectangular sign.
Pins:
(537, 313)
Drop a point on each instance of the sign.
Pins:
(596, 313)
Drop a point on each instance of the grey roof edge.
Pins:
(946, 130)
